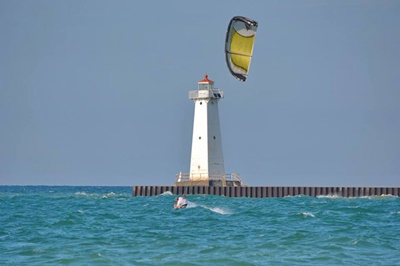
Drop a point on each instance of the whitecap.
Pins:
(329, 196)
(35, 250)
(166, 193)
(96, 255)
(108, 195)
(307, 214)
(217, 210)
(191, 204)
(387, 196)
(81, 194)
(320, 202)
(111, 194)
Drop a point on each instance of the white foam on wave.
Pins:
(329, 196)
(382, 196)
(111, 194)
(95, 195)
(191, 204)
(353, 207)
(81, 194)
(336, 196)
(217, 210)
(387, 196)
(166, 193)
(306, 214)
(296, 196)
(36, 250)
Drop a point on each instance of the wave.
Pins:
(329, 196)
(191, 204)
(217, 210)
(101, 195)
(306, 214)
(337, 196)
(387, 196)
(111, 194)
(296, 196)
(353, 207)
(166, 193)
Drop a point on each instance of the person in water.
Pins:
(181, 202)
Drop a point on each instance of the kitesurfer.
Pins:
(181, 202)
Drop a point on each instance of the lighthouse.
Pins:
(207, 160)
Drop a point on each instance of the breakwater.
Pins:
(266, 192)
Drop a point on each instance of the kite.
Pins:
(239, 44)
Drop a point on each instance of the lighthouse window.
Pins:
(214, 137)
(201, 103)
(203, 87)
(199, 137)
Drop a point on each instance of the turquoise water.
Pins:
(106, 226)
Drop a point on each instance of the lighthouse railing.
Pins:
(185, 177)
(206, 94)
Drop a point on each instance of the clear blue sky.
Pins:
(96, 92)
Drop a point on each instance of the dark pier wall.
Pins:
(267, 192)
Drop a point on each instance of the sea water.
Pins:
(44, 225)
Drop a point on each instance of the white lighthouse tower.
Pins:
(207, 160)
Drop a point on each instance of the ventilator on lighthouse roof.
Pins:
(206, 79)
